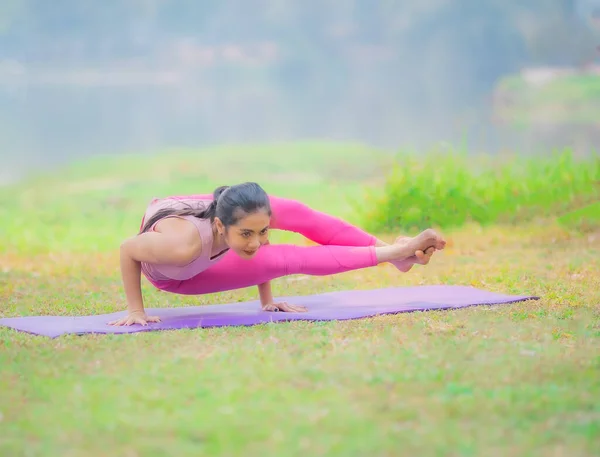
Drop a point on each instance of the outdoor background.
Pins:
(83, 77)
(480, 118)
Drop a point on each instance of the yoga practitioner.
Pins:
(201, 244)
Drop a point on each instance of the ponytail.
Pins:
(207, 213)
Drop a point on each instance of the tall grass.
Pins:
(449, 190)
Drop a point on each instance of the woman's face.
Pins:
(249, 234)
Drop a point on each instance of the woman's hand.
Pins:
(267, 303)
(135, 317)
(284, 307)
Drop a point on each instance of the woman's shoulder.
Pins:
(184, 229)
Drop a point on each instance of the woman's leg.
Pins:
(322, 228)
(317, 226)
(325, 229)
(275, 261)
(272, 262)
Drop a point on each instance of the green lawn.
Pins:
(520, 379)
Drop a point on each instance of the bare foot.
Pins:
(424, 240)
(420, 257)
(407, 251)
(406, 264)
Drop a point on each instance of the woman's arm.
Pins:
(265, 293)
(168, 247)
(131, 277)
(267, 302)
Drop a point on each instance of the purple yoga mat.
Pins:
(354, 304)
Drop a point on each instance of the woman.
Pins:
(201, 244)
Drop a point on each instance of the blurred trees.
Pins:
(89, 30)
(375, 68)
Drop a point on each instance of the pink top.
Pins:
(160, 272)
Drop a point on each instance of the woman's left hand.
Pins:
(284, 307)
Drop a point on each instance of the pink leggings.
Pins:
(344, 247)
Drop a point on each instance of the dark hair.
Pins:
(230, 204)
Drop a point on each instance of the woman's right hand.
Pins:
(284, 307)
(135, 317)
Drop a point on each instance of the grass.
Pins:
(452, 188)
(519, 379)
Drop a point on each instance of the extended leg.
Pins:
(325, 229)
(272, 262)
(276, 261)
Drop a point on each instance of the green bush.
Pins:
(582, 219)
(449, 190)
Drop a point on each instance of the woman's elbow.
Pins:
(126, 245)
(131, 250)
